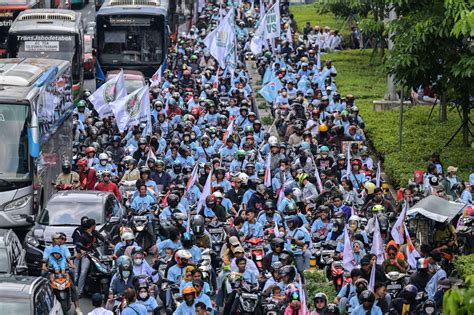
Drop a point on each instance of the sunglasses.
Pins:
(320, 301)
(105, 175)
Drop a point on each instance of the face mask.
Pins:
(143, 295)
(138, 261)
(125, 274)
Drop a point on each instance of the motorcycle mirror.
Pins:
(114, 220)
(21, 269)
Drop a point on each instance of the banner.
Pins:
(272, 22)
(156, 77)
(397, 230)
(270, 90)
(221, 40)
(110, 91)
(377, 244)
(132, 109)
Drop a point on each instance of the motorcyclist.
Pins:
(175, 273)
(201, 237)
(189, 297)
(123, 278)
(132, 173)
(320, 301)
(367, 306)
(188, 243)
(298, 240)
(67, 177)
(127, 239)
(107, 185)
(251, 228)
(142, 287)
(132, 307)
(141, 266)
(104, 165)
(322, 225)
(87, 175)
(421, 278)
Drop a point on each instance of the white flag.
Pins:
(303, 296)
(276, 231)
(257, 40)
(377, 244)
(132, 109)
(272, 22)
(372, 278)
(220, 40)
(268, 171)
(289, 38)
(156, 77)
(151, 155)
(348, 161)
(108, 92)
(318, 178)
(348, 258)
(411, 252)
(377, 176)
(397, 230)
(205, 192)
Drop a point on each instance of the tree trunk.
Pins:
(465, 128)
(444, 107)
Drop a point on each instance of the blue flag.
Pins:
(99, 75)
(303, 84)
(270, 90)
(268, 75)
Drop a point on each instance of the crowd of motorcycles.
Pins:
(192, 110)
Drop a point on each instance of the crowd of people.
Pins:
(261, 206)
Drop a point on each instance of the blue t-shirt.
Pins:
(135, 309)
(150, 303)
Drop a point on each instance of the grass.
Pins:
(420, 137)
(307, 13)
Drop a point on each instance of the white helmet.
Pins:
(127, 236)
(273, 141)
(182, 254)
(297, 194)
(103, 156)
(354, 218)
(244, 178)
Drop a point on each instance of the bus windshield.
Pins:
(14, 156)
(60, 47)
(130, 39)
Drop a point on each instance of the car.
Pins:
(12, 254)
(133, 79)
(27, 296)
(63, 213)
(89, 57)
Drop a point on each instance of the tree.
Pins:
(432, 46)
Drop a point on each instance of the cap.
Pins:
(452, 169)
(288, 190)
(238, 249)
(233, 240)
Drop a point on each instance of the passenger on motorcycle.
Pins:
(173, 206)
(247, 275)
(322, 225)
(298, 241)
(201, 296)
(133, 308)
(141, 266)
(251, 228)
(107, 185)
(173, 242)
(142, 287)
(348, 291)
(67, 177)
(122, 279)
(367, 306)
(87, 175)
(188, 244)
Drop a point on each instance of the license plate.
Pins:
(215, 231)
(394, 287)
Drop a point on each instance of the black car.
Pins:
(63, 213)
(27, 296)
(12, 254)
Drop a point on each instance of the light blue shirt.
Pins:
(135, 309)
(359, 310)
(253, 229)
(184, 309)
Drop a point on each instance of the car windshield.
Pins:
(4, 263)
(87, 45)
(14, 156)
(70, 213)
(132, 85)
(14, 307)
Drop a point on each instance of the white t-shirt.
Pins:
(100, 311)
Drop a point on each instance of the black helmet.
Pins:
(286, 256)
(142, 141)
(269, 205)
(277, 241)
(198, 225)
(144, 170)
(66, 167)
(288, 271)
(173, 200)
(331, 309)
(367, 296)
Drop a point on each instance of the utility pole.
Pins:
(391, 94)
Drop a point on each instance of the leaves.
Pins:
(460, 301)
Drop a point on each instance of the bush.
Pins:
(316, 281)
(459, 301)
(465, 265)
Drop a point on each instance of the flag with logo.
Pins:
(205, 192)
(132, 109)
(270, 90)
(272, 22)
(156, 77)
(397, 230)
(377, 244)
(348, 258)
(411, 252)
(220, 41)
(109, 92)
(268, 172)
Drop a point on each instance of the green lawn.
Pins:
(307, 13)
(420, 137)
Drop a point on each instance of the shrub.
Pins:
(316, 281)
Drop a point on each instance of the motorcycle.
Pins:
(465, 233)
(270, 307)
(100, 273)
(218, 235)
(139, 224)
(61, 285)
(248, 300)
(170, 294)
(396, 281)
(127, 189)
(256, 250)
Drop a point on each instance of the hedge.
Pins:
(316, 282)
(464, 265)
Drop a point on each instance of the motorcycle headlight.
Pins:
(17, 203)
(139, 228)
(429, 310)
(31, 240)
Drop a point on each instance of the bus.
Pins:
(9, 10)
(132, 34)
(36, 109)
(50, 33)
